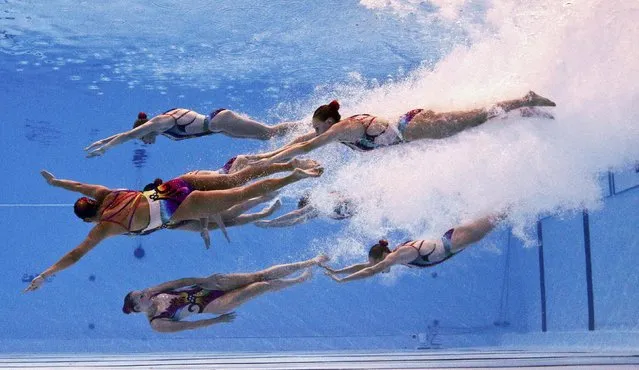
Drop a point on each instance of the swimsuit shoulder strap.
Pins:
(169, 111)
(367, 120)
(411, 243)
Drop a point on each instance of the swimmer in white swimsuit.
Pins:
(180, 124)
(364, 132)
(417, 253)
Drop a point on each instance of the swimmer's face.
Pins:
(141, 300)
(320, 126)
(149, 138)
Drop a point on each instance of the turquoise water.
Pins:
(76, 72)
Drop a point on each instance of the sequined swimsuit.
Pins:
(186, 301)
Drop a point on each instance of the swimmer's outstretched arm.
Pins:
(169, 326)
(156, 124)
(101, 142)
(398, 257)
(292, 218)
(96, 235)
(333, 134)
(299, 139)
(93, 191)
(348, 270)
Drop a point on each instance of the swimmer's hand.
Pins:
(207, 238)
(35, 284)
(327, 268)
(96, 144)
(333, 276)
(227, 317)
(96, 152)
(204, 232)
(48, 176)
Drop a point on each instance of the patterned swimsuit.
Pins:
(435, 256)
(189, 124)
(384, 138)
(186, 301)
(163, 202)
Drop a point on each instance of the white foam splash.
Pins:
(581, 55)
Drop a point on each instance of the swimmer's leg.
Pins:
(228, 282)
(232, 219)
(247, 218)
(430, 125)
(292, 218)
(201, 204)
(467, 234)
(241, 208)
(234, 298)
(216, 181)
(234, 125)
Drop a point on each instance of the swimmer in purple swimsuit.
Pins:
(168, 304)
(417, 253)
(180, 124)
(184, 199)
(364, 132)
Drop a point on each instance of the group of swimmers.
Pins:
(204, 200)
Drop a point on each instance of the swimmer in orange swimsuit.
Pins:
(169, 205)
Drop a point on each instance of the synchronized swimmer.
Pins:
(168, 304)
(183, 199)
(207, 200)
(181, 123)
(341, 209)
(364, 132)
(417, 253)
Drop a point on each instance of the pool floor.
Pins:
(333, 360)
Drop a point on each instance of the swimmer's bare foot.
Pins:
(304, 164)
(302, 174)
(534, 100)
(535, 112)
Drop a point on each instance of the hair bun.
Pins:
(383, 243)
(334, 105)
(142, 115)
(157, 182)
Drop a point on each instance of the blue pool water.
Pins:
(561, 272)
